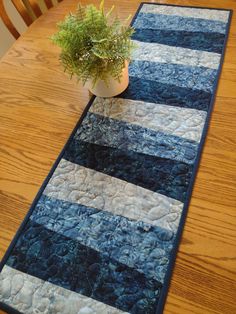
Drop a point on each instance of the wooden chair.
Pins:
(22, 8)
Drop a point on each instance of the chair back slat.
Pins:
(20, 7)
(35, 7)
(25, 8)
(7, 21)
(48, 3)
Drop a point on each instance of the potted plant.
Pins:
(96, 48)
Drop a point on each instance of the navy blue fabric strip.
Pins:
(159, 93)
(211, 42)
(106, 131)
(67, 263)
(134, 243)
(165, 176)
(173, 22)
(195, 78)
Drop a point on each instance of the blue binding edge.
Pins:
(164, 292)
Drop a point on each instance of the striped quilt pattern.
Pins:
(102, 233)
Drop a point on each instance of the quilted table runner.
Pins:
(102, 234)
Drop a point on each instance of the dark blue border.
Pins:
(161, 302)
(164, 292)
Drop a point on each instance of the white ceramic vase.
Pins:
(114, 87)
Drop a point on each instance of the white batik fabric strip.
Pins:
(78, 184)
(177, 55)
(201, 13)
(31, 295)
(182, 122)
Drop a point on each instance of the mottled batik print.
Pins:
(66, 262)
(136, 244)
(101, 130)
(175, 55)
(165, 176)
(100, 237)
(198, 13)
(195, 78)
(174, 22)
(34, 295)
(180, 122)
(212, 42)
(166, 94)
(91, 188)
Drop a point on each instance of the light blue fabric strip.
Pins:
(200, 13)
(133, 243)
(195, 78)
(173, 22)
(181, 122)
(77, 184)
(175, 55)
(105, 131)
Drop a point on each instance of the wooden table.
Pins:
(39, 106)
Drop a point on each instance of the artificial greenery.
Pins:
(94, 45)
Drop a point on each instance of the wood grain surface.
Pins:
(39, 107)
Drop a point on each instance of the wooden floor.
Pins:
(39, 106)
